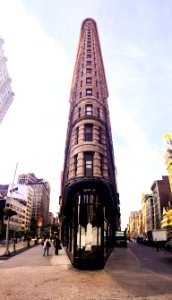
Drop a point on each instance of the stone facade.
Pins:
(89, 129)
(89, 200)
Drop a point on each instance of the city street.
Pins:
(29, 275)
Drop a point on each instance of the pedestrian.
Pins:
(57, 245)
(46, 246)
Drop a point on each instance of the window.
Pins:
(81, 83)
(97, 95)
(88, 109)
(100, 135)
(88, 51)
(77, 134)
(88, 92)
(88, 164)
(98, 112)
(80, 94)
(88, 80)
(88, 132)
(75, 164)
(88, 70)
(101, 164)
(88, 55)
(88, 63)
(79, 112)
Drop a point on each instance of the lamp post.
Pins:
(8, 212)
(7, 252)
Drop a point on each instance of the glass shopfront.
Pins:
(88, 233)
(89, 224)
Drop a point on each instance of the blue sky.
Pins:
(41, 39)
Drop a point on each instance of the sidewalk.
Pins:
(61, 259)
(19, 247)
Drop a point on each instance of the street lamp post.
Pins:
(7, 252)
(8, 212)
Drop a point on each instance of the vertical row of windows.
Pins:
(88, 43)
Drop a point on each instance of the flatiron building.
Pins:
(89, 201)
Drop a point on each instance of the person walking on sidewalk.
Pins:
(46, 246)
(57, 245)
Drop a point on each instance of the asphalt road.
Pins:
(156, 261)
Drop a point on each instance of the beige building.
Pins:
(6, 94)
(147, 213)
(20, 197)
(41, 196)
(134, 223)
(18, 221)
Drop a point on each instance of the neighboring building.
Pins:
(4, 189)
(51, 218)
(24, 195)
(41, 196)
(144, 224)
(140, 228)
(147, 213)
(2, 206)
(168, 157)
(89, 202)
(17, 222)
(166, 222)
(18, 198)
(6, 94)
(134, 224)
(161, 193)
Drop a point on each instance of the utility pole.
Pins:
(9, 213)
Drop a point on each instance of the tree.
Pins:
(8, 212)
